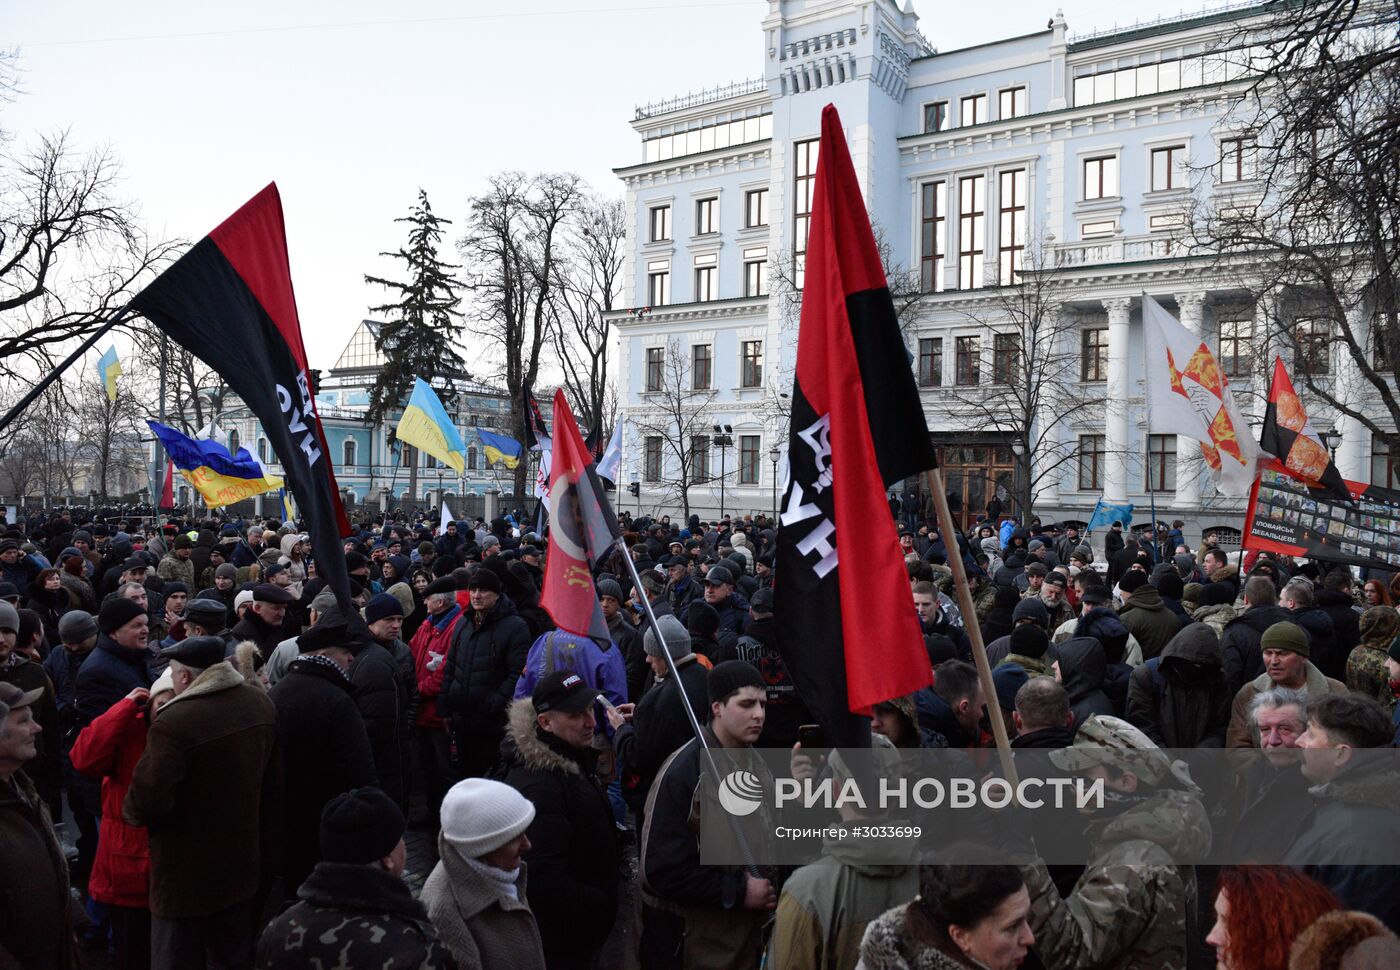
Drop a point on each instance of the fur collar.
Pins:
(886, 945)
(365, 889)
(219, 677)
(529, 749)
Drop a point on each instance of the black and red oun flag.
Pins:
(534, 420)
(846, 627)
(1289, 436)
(229, 301)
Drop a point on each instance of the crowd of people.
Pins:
(241, 755)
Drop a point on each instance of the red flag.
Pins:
(582, 531)
(167, 493)
(846, 624)
(1289, 436)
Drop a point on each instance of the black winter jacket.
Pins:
(1239, 644)
(573, 857)
(1179, 699)
(1346, 625)
(659, 726)
(1329, 655)
(108, 674)
(1082, 669)
(487, 656)
(383, 704)
(325, 752)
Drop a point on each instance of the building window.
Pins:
(656, 359)
(262, 450)
(1168, 168)
(706, 278)
(1011, 103)
(233, 442)
(1235, 338)
(699, 459)
(1090, 462)
(748, 459)
(1161, 463)
(659, 282)
(1006, 357)
(933, 225)
(1312, 346)
(972, 230)
(1011, 244)
(972, 110)
(751, 363)
(968, 361)
(935, 116)
(701, 367)
(1100, 177)
(651, 459)
(756, 271)
(660, 223)
(1093, 354)
(405, 455)
(348, 453)
(1237, 159)
(931, 362)
(755, 208)
(1383, 472)
(471, 458)
(706, 216)
(803, 185)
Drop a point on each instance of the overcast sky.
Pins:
(352, 106)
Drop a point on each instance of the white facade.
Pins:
(1092, 151)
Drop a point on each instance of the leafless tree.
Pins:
(109, 431)
(678, 414)
(1313, 224)
(511, 249)
(589, 281)
(1032, 393)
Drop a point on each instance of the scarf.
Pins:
(324, 661)
(506, 882)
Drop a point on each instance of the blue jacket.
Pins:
(600, 667)
(108, 674)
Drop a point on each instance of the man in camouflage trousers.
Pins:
(1131, 908)
(355, 909)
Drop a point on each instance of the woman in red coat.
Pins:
(108, 749)
(430, 645)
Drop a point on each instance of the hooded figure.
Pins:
(999, 623)
(1366, 668)
(1082, 668)
(1145, 615)
(1180, 699)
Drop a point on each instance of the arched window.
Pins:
(471, 458)
(348, 458)
(262, 450)
(233, 442)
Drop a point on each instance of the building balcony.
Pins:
(1116, 249)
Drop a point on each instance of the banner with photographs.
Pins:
(1285, 517)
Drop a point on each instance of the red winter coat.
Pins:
(108, 749)
(428, 638)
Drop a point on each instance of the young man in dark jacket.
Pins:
(488, 653)
(573, 854)
(355, 909)
(384, 696)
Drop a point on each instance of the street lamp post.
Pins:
(773, 454)
(1018, 451)
(1331, 439)
(723, 440)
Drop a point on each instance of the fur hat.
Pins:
(1333, 940)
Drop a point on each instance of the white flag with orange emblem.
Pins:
(1188, 395)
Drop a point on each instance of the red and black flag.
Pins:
(582, 531)
(846, 627)
(534, 420)
(1288, 435)
(229, 301)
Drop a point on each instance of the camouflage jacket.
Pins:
(1215, 616)
(1367, 674)
(353, 916)
(1131, 907)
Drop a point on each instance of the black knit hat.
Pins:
(117, 613)
(702, 620)
(731, 676)
(360, 827)
(1029, 640)
(485, 579)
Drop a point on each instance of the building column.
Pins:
(1354, 453)
(1117, 444)
(1191, 307)
(1050, 457)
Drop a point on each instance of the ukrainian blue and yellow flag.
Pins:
(220, 478)
(426, 426)
(108, 367)
(497, 447)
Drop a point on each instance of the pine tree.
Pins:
(418, 333)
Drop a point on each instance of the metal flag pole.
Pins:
(969, 612)
(707, 757)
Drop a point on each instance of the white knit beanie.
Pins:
(479, 816)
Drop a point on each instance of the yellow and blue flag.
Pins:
(108, 367)
(498, 447)
(426, 426)
(220, 478)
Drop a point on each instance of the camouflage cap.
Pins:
(1105, 740)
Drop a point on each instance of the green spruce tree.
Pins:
(418, 333)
